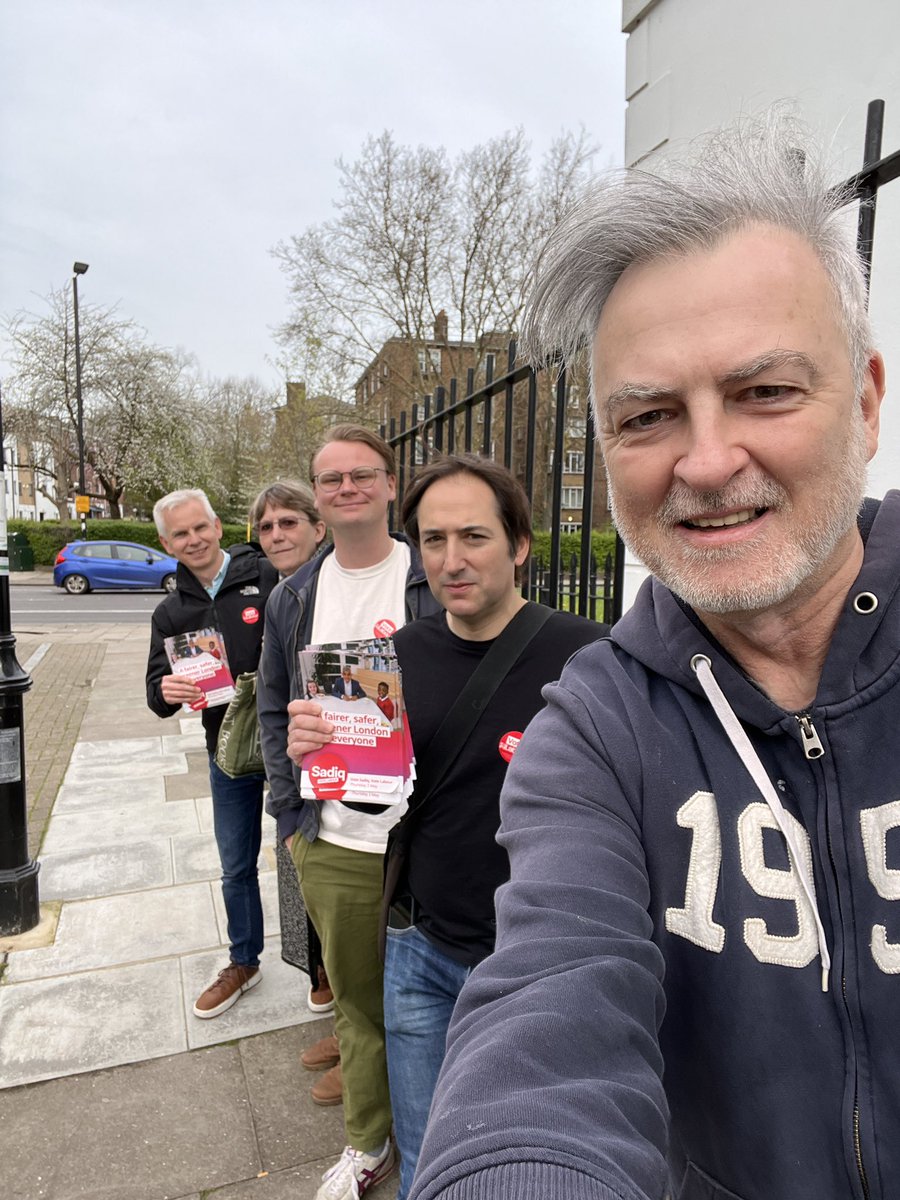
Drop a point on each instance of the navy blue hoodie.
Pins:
(653, 1021)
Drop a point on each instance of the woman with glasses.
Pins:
(285, 522)
(287, 525)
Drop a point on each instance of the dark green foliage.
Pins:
(603, 542)
(47, 538)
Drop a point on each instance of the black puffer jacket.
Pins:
(238, 612)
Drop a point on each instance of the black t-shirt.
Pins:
(455, 864)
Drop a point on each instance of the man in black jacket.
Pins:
(226, 591)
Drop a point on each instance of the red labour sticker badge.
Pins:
(384, 628)
(250, 616)
(328, 776)
(509, 743)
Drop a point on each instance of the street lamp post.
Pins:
(19, 904)
(79, 268)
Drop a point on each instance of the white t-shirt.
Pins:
(355, 605)
(351, 604)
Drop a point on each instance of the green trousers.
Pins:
(342, 893)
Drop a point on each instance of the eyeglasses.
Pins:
(285, 523)
(361, 477)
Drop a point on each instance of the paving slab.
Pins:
(194, 782)
(204, 810)
(64, 1026)
(113, 930)
(108, 870)
(180, 743)
(112, 793)
(119, 753)
(91, 771)
(173, 1127)
(133, 723)
(195, 856)
(290, 1129)
(127, 823)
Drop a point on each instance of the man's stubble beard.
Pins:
(685, 570)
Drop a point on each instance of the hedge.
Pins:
(603, 542)
(47, 538)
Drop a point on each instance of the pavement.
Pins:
(110, 1088)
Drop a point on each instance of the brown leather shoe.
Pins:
(320, 999)
(228, 988)
(321, 1055)
(330, 1088)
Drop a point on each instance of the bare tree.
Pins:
(43, 410)
(235, 421)
(141, 431)
(135, 399)
(414, 234)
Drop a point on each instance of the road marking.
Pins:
(36, 657)
(27, 612)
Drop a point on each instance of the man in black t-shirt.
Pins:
(471, 522)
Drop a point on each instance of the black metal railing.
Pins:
(500, 419)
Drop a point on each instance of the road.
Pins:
(42, 605)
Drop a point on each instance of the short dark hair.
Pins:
(356, 433)
(285, 493)
(512, 503)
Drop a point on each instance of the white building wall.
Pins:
(692, 65)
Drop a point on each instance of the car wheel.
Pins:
(76, 585)
(168, 583)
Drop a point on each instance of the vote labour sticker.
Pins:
(384, 628)
(509, 743)
(250, 616)
(328, 776)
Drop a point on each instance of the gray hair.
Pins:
(284, 493)
(763, 171)
(175, 500)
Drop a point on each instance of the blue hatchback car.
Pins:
(83, 566)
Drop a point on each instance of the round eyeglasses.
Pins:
(361, 477)
(286, 523)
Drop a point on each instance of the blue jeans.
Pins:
(237, 821)
(420, 989)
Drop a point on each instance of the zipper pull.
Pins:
(812, 747)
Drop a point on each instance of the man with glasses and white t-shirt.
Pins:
(368, 586)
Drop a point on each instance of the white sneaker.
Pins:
(355, 1172)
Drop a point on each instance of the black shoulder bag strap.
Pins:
(451, 736)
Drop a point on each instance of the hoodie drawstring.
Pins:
(734, 731)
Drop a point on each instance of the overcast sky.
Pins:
(171, 143)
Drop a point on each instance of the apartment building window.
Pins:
(572, 497)
(575, 462)
(429, 358)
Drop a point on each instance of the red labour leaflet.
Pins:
(369, 759)
(200, 657)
